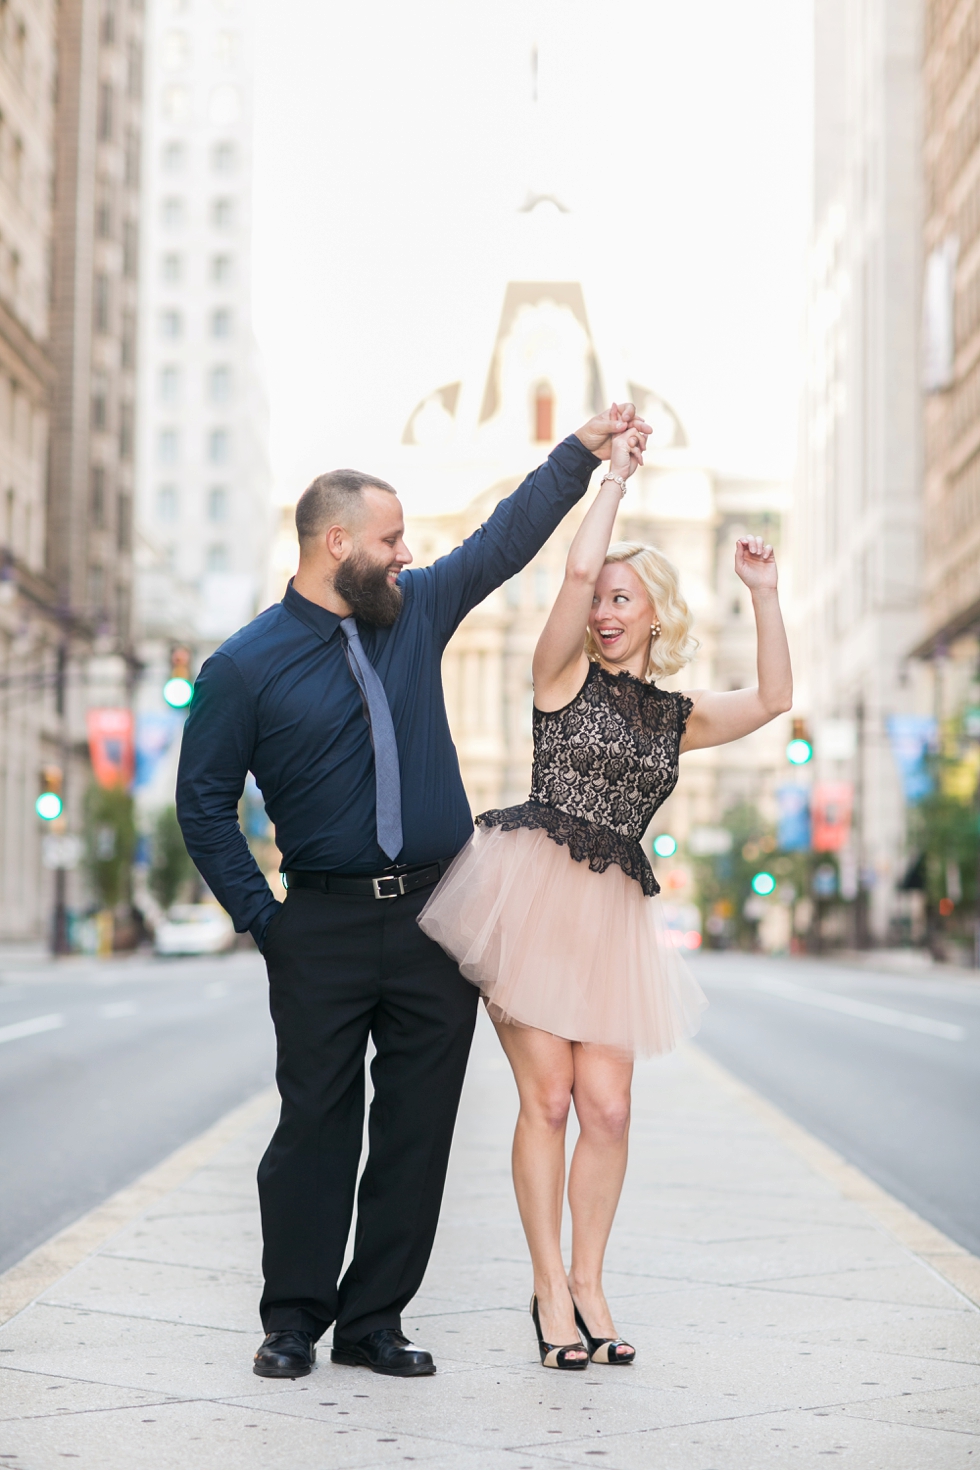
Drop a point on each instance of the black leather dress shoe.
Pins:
(285, 1355)
(385, 1351)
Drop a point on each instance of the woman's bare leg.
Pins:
(601, 1091)
(544, 1072)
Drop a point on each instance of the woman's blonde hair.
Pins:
(674, 647)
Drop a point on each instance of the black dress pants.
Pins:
(341, 970)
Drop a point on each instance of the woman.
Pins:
(550, 907)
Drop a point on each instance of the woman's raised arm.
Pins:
(560, 664)
(717, 718)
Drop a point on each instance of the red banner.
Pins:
(111, 746)
(830, 814)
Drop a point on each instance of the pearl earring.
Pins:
(655, 628)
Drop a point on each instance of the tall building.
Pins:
(951, 349)
(95, 278)
(203, 512)
(30, 734)
(857, 521)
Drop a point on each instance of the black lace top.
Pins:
(602, 767)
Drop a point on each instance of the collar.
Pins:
(318, 619)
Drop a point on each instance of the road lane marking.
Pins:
(863, 1009)
(30, 1028)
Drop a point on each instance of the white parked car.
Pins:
(194, 928)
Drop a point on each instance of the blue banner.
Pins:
(912, 737)
(793, 818)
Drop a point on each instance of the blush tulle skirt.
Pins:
(551, 944)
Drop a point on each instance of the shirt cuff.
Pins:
(262, 920)
(572, 455)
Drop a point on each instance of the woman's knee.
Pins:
(606, 1118)
(548, 1106)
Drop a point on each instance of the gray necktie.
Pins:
(387, 777)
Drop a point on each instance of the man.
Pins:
(333, 699)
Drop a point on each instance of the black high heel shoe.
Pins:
(552, 1356)
(604, 1349)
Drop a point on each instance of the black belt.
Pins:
(386, 885)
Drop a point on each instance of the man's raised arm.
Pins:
(520, 525)
(215, 755)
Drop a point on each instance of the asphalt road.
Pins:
(107, 1066)
(885, 1068)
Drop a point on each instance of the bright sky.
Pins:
(395, 144)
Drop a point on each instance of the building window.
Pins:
(513, 591)
(167, 503)
(167, 446)
(176, 104)
(102, 303)
(223, 213)
(105, 110)
(176, 50)
(103, 219)
(131, 242)
(95, 587)
(544, 414)
(98, 497)
(132, 158)
(219, 446)
(221, 269)
(173, 213)
(217, 557)
(224, 157)
(126, 424)
(171, 268)
(169, 384)
(221, 322)
(217, 503)
(134, 70)
(123, 523)
(171, 324)
(225, 47)
(174, 156)
(100, 409)
(108, 27)
(127, 339)
(219, 384)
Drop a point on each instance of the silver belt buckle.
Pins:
(396, 878)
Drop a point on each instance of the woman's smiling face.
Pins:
(621, 617)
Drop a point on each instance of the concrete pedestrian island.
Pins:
(779, 1307)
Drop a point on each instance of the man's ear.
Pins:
(338, 542)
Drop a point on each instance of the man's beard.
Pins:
(364, 586)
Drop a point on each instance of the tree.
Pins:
(110, 839)
(172, 865)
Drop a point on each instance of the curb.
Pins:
(953, 1262)
(48, 1263)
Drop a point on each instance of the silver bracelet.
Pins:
(618, 480)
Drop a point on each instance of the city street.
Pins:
(884, 1068)
(107, 1066)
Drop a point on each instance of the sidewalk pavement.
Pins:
(784, 1310)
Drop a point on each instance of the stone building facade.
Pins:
(29, 622)
(857, 518)
(951, 350)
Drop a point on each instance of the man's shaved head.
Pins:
(334, 499)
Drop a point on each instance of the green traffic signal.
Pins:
(798, 752)
(177, 692)
(48, 806)
(664, 845)
(763, 884)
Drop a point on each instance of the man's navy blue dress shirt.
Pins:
(278, 699)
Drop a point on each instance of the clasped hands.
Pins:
(617, 435)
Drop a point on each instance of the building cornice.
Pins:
(31, 359)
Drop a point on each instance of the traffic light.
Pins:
(763, 884)
(800, 748)
(179, 687)
(664, 845)
(49, 804)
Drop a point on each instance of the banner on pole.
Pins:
(110, 746)
(793, 818)
(831, 813)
